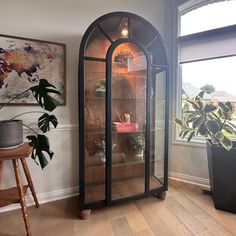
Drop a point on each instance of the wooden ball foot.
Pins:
(85, 214)
(161, 195)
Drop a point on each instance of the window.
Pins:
(207, 50)
(211, 16)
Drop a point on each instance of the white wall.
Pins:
(64, 21)
(187, 161)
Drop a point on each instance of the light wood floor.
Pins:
(186, 211)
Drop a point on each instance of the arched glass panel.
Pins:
(116, 27)
(97, 44)
(129, 83)
(140, 32)
(158, 55)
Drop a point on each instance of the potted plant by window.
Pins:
(137, 142)
(203, 118)
(11, 131)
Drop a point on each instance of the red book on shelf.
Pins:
(125, 127)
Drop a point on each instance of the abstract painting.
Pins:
(24, 61)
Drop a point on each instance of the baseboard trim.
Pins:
(204, 183)
(70, 192)
(44, 198)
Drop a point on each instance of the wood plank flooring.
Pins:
(185, 211)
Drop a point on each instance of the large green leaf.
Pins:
(219, 136)
(212, 126)
(200, 104)
(185, 107)
(40, 144)
(229, 129)
(209, 108)
(201, 94)
(41, 93)
(45, 120)
(178, 121)
(191, 135)
(193, 103)
(226, 143)
(213, 139)
(223, 107)
(230, 106)
(198, 121)
(185, 132)
(202, 130)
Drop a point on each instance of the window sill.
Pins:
(199, 143)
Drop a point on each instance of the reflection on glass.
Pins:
(116, 27)
(94, 131)
(141, 33)
(129, 82)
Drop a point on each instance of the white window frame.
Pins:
(184, 8)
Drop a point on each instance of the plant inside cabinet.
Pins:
(123, 105)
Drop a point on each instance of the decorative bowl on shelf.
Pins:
(100, 92)
(101, 88)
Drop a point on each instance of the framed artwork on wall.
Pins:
(24, 61)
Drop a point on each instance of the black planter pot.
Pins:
(222, 173)
(11, 133)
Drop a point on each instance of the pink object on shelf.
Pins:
(125, 127)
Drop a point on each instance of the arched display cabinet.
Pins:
(123, 111)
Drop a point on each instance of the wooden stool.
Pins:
(17, 194)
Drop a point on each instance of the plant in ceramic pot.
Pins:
(137, 142)
(11, 131)
(101, 149)
(215, 122)
(101, 88)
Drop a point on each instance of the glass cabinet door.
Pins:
(157, 139)
(94, 128)
(129, 85)
(123, 113)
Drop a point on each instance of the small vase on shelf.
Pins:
(139, 154)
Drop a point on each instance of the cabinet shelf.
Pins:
(118, 98)
(90, 131)
(128, 162)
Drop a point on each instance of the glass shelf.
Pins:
(90, 132)
(124, 163)
(116, 98)
(128, 162)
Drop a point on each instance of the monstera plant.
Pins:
(38, 140)
(208, 120)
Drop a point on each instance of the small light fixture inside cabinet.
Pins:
(124, 31)
(123, 27)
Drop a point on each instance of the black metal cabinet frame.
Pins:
(152, 55)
